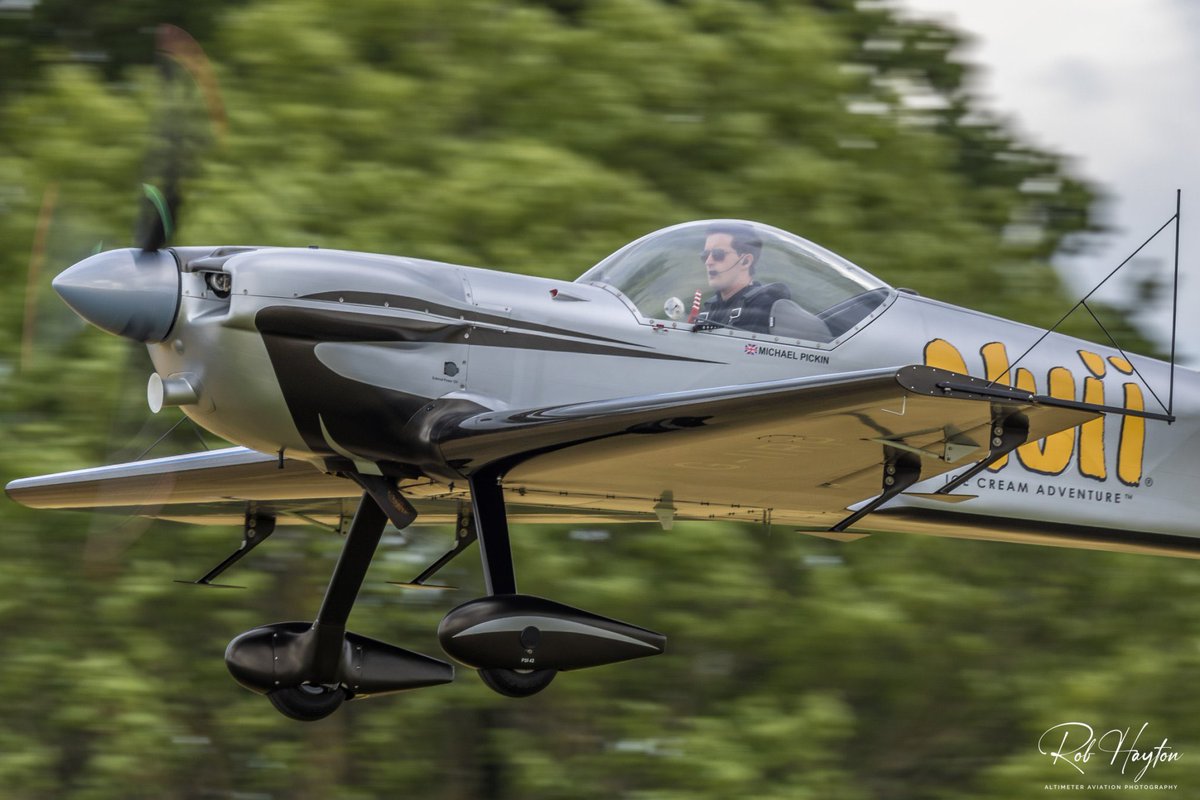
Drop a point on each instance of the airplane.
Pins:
(816, 398)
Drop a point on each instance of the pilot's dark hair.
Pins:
(745, 239)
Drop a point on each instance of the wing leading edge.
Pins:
(233, 474)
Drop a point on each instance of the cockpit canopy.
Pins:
(661, 273)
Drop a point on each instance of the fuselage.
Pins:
(332, 355)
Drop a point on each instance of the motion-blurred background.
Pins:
(538, 137)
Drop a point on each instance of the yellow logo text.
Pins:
(1084, 444)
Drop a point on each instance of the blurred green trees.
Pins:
(539, 137)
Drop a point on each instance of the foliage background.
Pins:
(538, 137)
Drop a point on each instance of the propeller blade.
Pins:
(179, 136)
(179, 46)
(158, 226)
(36, 258)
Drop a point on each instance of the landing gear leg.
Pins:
(329, 628)
(323, 694)
(491, 521)
(518, 642)
(308, 670)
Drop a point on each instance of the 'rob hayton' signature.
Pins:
(1075, 743)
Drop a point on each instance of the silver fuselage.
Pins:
(334, 355)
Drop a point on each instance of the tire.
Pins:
(306, 702)
(511, 683)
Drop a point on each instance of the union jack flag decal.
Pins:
(751, 349)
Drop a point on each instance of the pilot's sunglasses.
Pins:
(717, 253)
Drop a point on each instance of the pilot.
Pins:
(730, 255)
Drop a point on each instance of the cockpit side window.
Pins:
(729, 274)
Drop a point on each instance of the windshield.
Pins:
(748, 276)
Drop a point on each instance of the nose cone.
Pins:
(132, 293)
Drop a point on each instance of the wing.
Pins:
(218, 487)
(800, 450)
(218, 479)
(793, 452)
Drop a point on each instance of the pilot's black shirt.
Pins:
(749, 309)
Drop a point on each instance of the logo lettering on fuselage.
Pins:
(1085, 444)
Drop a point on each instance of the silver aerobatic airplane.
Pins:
(718, 370)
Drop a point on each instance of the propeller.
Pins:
(134, 292)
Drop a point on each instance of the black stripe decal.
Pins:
(345, 326)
